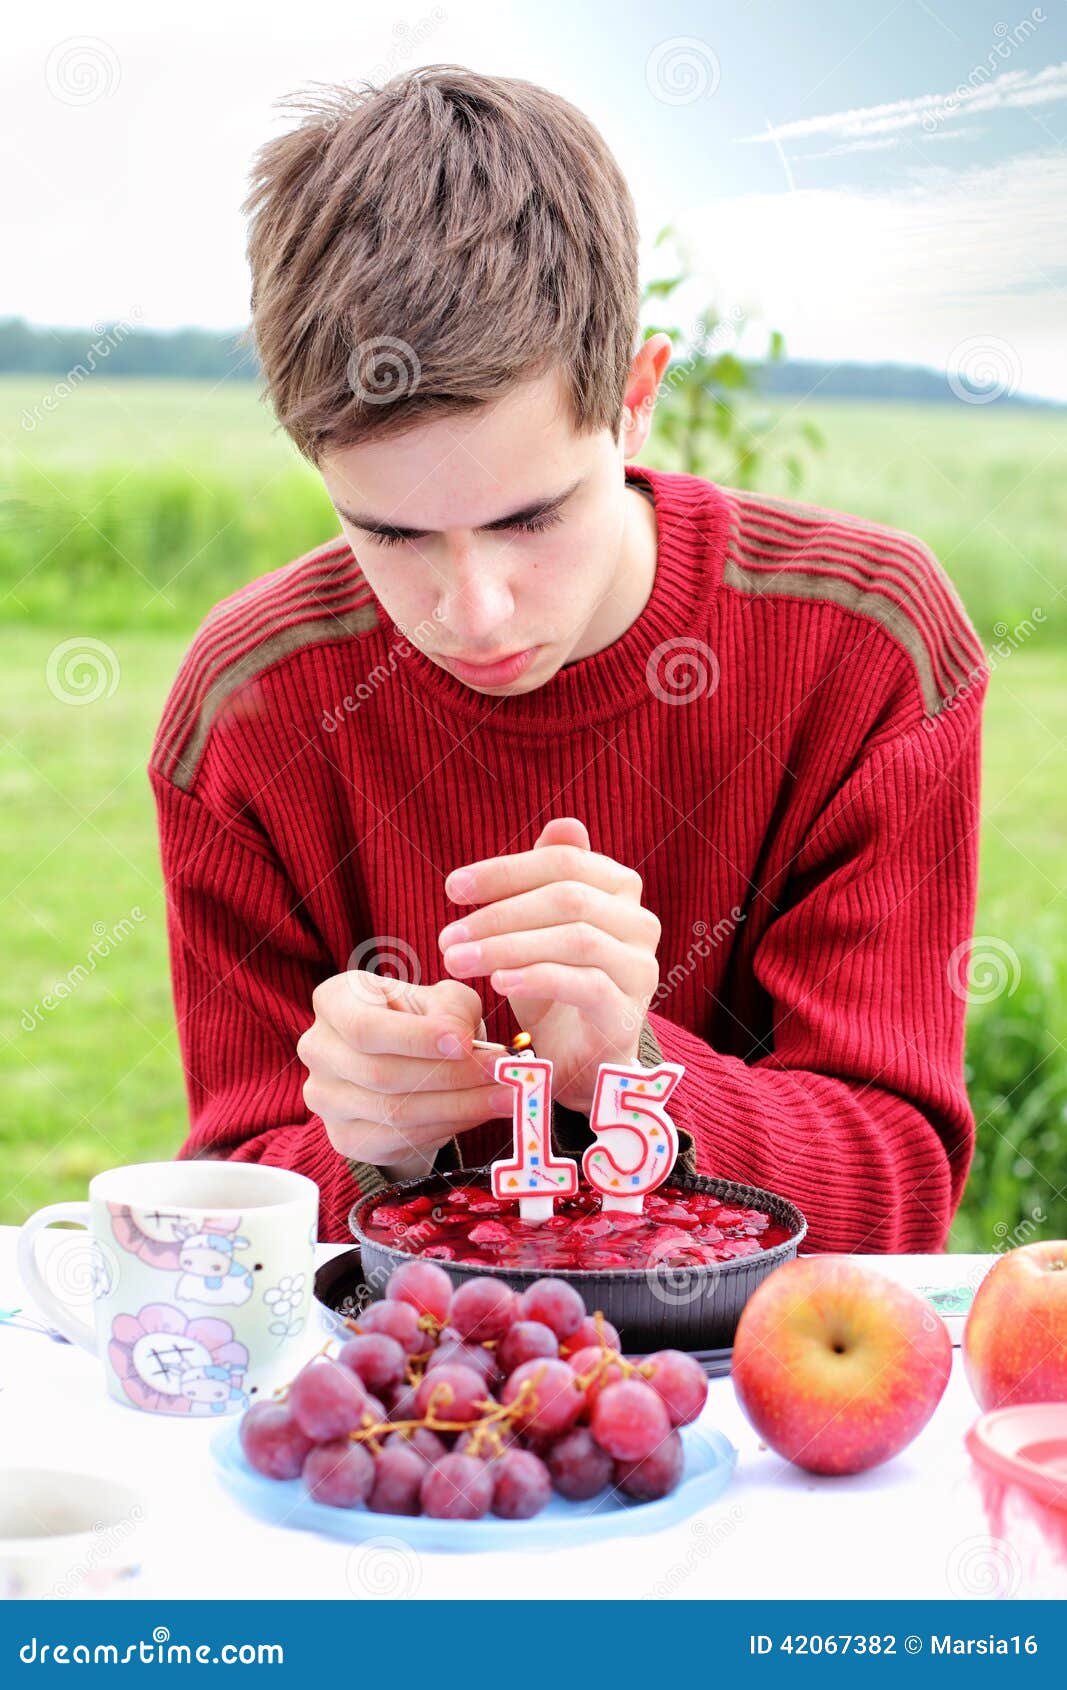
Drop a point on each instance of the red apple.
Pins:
(1015, 1339)
(836, 1366)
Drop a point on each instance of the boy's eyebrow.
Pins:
(374, 525)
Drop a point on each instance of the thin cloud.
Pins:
(1011, 89)
(969, 132)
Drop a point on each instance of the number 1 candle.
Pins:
(532, 1174)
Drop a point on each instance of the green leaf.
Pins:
(660, 328)
(663, 287)
(728, 370)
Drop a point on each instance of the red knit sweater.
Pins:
(799, 794)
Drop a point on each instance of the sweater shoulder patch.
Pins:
(780, 547)
(319, 597)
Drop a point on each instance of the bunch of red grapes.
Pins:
(457, 1402)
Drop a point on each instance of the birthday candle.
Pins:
(636, 1141)
(532, 1174)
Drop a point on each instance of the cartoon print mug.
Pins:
(201, 1276)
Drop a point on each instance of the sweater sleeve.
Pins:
(856, 1108)
(245, 960)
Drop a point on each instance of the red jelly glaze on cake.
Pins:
(467, 1224)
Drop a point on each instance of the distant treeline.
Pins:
(123, 349)
(913, 383)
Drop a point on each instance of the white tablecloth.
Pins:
(911, 1528)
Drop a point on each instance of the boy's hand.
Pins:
(563, 935)
(391, 1071)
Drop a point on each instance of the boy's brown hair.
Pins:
(417, 248)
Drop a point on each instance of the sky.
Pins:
(884, 181)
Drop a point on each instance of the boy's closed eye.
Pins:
(532, 525)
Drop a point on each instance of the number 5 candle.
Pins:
(636, 1141)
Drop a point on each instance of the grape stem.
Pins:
(609, 1357)
(484, 1429)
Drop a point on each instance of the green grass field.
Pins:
(95, 1079)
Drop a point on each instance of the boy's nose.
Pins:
(477, 606)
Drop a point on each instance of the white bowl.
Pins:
(67, 1534)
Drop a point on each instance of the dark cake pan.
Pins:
(693, 1307)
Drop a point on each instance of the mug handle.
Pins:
(78, 1331)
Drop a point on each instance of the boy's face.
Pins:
(559, 584)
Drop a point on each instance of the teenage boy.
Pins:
(649, 767)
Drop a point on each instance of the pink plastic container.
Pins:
(1020, 1464)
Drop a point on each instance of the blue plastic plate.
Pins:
(710, 1460)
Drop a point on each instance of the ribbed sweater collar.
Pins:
(693, 525)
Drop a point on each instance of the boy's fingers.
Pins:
(395, 1017)
(340, 1101)
(564, 901)
(440, 1108)
(385, 1032)
(492, 878)
(371, 991)
(363, 1141)
(454, 1001)
(322, 1049)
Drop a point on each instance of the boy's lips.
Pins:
(495, 674)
